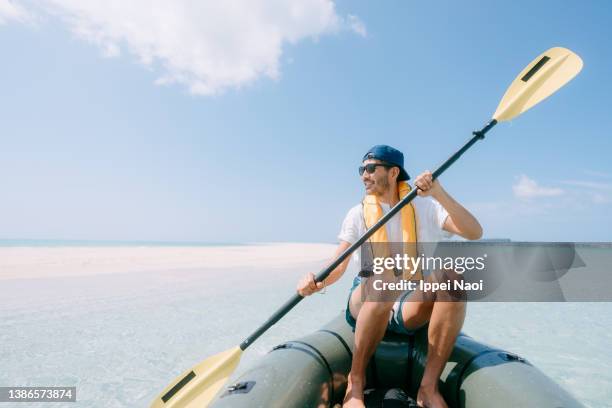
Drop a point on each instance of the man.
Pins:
(433, 215)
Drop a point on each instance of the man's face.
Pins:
(378, 182)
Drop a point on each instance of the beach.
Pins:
(121, 322)
(22, 262)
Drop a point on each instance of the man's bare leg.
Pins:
(372, 320)
(444, 326)
(445, 314)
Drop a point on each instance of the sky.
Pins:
(245, 120)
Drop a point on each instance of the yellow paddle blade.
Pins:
(540, 79)
(197, 387)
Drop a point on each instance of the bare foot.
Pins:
(354, 394)
(430, 397)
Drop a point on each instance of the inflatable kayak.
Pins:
(312, 372)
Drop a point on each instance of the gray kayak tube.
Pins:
(312, 372)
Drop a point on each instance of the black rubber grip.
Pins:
(535, 68)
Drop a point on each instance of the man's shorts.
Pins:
(396, 321)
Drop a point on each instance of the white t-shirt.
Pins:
(430, 218)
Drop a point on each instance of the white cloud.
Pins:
(599, 192)
(526, 188)
(357, 25)
(12, 11)
(597, 173)
(207, 45)
(589, 184)
(599, 198)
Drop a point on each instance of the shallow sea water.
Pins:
(121, 338)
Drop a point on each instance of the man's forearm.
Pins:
(336, 273)
(340, 269)
(466, 223)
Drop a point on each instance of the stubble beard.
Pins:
(381, 187)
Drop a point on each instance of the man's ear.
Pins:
(394, 172)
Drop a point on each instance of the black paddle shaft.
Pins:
(296, 298)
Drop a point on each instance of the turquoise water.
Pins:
(121, 338)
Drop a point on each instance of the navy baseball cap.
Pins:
(389, 155)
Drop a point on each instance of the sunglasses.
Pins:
(371, 167)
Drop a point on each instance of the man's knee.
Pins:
(416, 313)
(377, 308)
(452, 311)
(457, 305)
